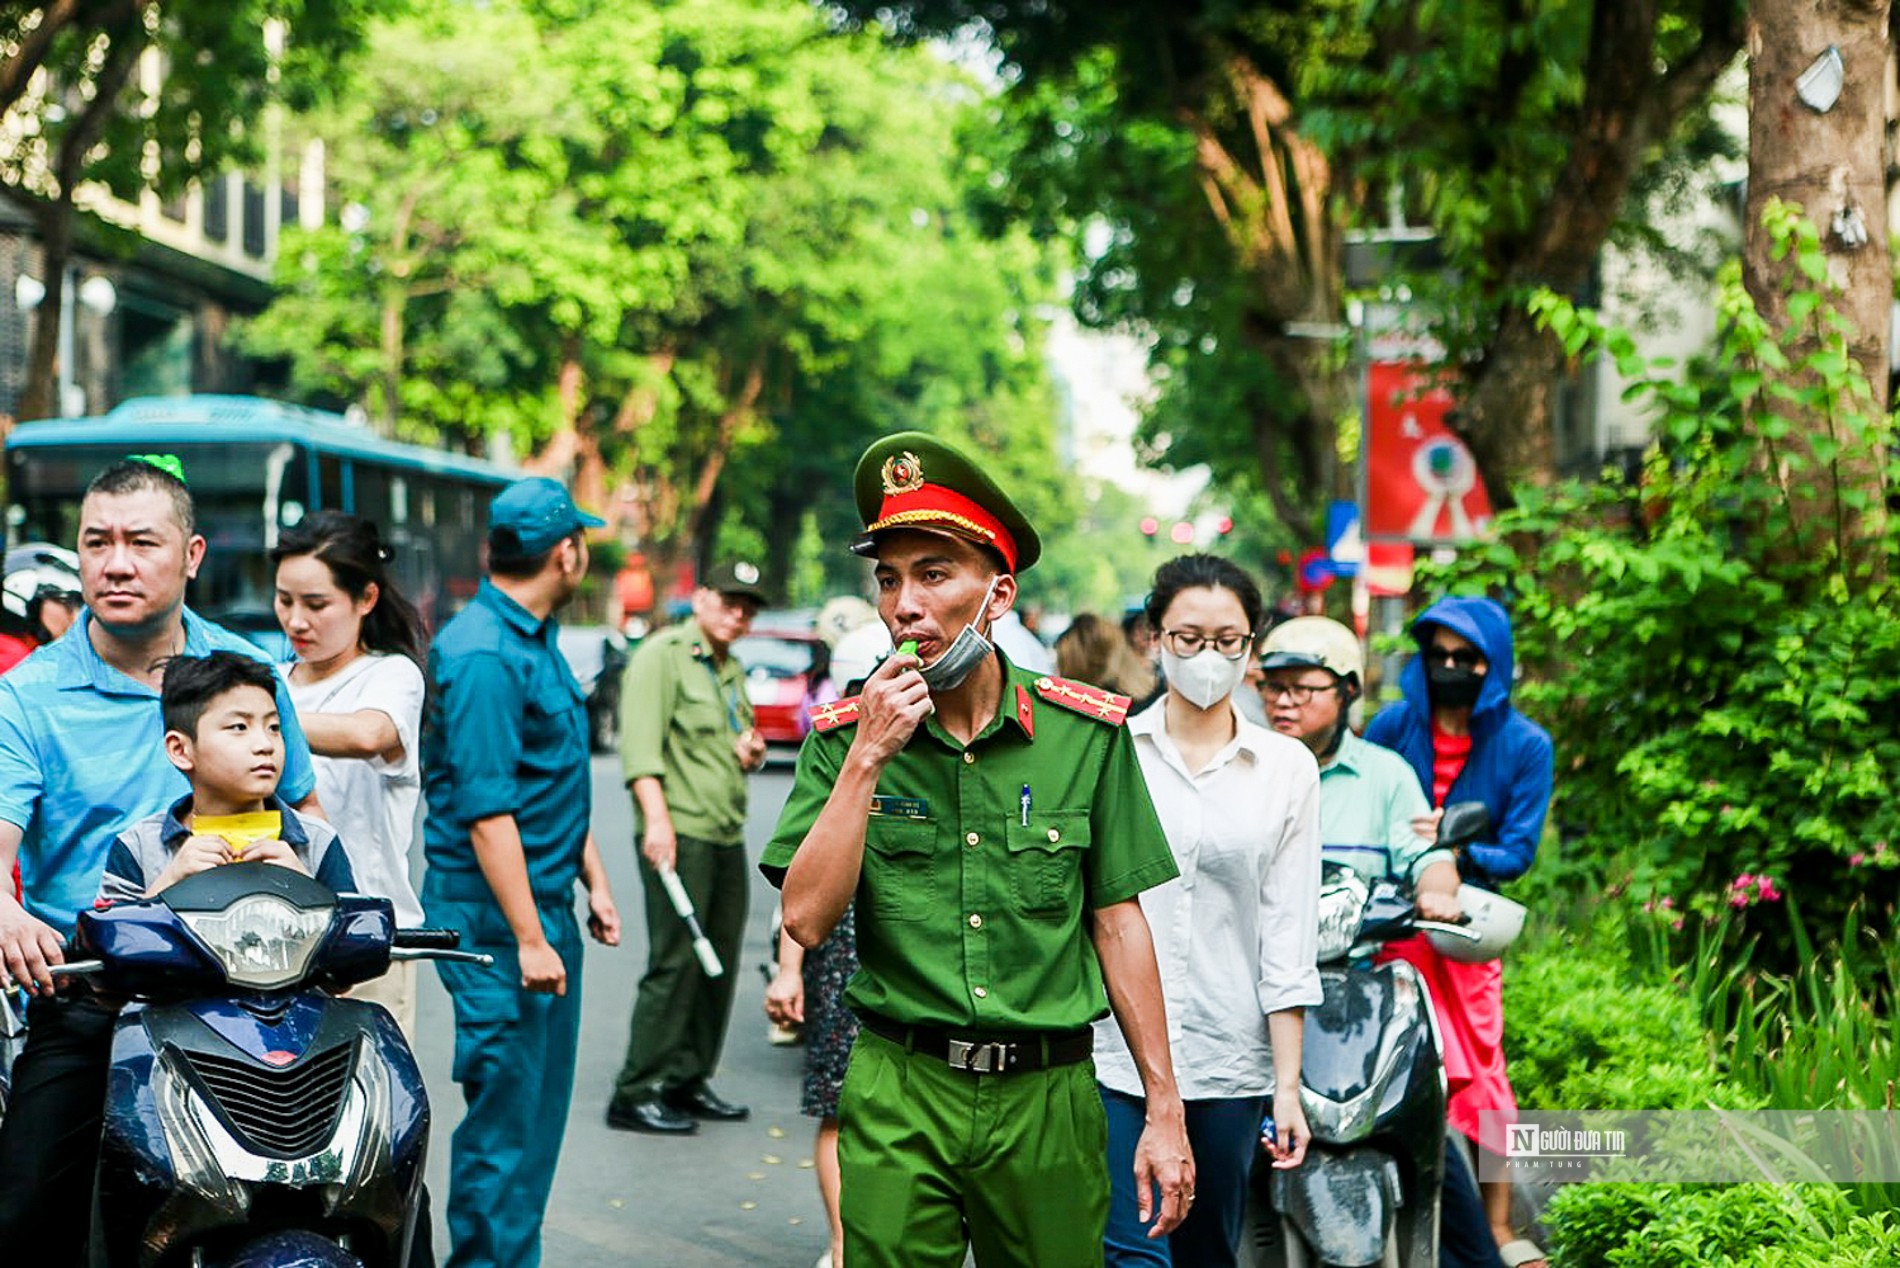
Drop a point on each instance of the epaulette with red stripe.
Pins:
(829, 717)
(1085, 699)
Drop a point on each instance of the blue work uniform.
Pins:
(507, 735)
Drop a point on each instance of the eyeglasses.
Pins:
(1190, 643)
(1300, 693)
(1463, 657)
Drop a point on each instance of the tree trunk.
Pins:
(1832, 163)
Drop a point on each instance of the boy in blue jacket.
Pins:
(1458, 730)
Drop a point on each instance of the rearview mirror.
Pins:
(1464, 822)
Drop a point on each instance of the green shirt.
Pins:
(971, 910)
(680, 717)
(1368, 796)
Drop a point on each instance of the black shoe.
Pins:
(703, 1102)
(651, 1115)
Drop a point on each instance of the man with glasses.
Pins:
(1373, 815)
(687, 744)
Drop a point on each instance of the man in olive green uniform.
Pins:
(1008, 833)
(687, 743)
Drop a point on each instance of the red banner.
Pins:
(1421, 482)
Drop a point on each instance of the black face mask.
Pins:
(1453, 686)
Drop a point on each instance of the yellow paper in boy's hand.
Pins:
(241, 830)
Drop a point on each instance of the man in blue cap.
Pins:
(505, 768)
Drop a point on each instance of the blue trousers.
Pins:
(514, 1057)
(1224, 1135)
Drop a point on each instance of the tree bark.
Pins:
(1833, 165)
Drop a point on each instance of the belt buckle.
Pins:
(979, 1058)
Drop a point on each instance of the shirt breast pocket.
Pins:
(555, 711)
(1045, 861)
(901, 868)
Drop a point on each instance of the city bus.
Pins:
(255, 468)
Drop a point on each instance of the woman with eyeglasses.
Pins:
(1466, 742)
(1236, 935)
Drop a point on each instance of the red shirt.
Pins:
(15, 648)
(1448, 759)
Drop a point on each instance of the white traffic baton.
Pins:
(702, 945)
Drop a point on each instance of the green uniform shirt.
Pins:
(1368, 797)
(680, 716)
(971, 909)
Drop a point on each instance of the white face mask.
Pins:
(1204, 679)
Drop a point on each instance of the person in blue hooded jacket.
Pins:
(1457, 728)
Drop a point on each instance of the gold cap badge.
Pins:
(902, 474)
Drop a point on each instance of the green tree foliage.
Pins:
(711, 253)
(77, 112)
(1719, 666)
(1226, 148)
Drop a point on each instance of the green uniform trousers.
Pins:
(935, 1160)
(680, 1014)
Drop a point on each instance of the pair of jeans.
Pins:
(1224, 1135)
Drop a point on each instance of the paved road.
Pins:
(734, 1194)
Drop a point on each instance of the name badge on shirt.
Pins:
(900, 807)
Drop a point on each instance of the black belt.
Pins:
(1031, 1050)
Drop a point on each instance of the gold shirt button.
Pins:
(969, 758)
(976, 921)
(972, 839)
(980, 993)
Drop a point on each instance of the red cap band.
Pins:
(934, 507)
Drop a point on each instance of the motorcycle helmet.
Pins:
(1316, 642)
(1494, 919)
(36, 572)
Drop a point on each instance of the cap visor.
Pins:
(1290, 660)
(589, 521)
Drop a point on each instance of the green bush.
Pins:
(1582, 1035)
(1719, 667)
(1713, 1226)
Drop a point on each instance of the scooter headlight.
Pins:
(1342, 902)
(261, 940)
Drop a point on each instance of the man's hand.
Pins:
(277, 852)
(603, 916)
(1440, 906)
(541, 969)
(27, 947)
(895, 700)
(750, 747)
(1425, 827)
(1290, 1132)
(660, 847)
(785, 998)
(1162, 1158)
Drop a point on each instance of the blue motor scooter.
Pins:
(255, 1119)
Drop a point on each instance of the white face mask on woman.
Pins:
(1205, 678)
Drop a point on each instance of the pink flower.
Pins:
(1676, 925)
(1738, 899)
(1667, 903)
(1855, 860)
(1743, 881)
(1649, 906)
(1766, 888)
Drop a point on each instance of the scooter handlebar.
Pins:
(458, 957)
(428, 939)
(1440, 926)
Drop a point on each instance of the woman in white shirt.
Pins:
(1236, 935)
(357, 683)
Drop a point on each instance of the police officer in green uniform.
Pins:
(994, 830)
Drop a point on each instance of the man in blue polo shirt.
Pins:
(505, 768)
(82, 757)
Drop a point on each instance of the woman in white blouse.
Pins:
(1236, 935)
(358, 687)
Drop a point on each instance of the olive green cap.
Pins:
(913, 480)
